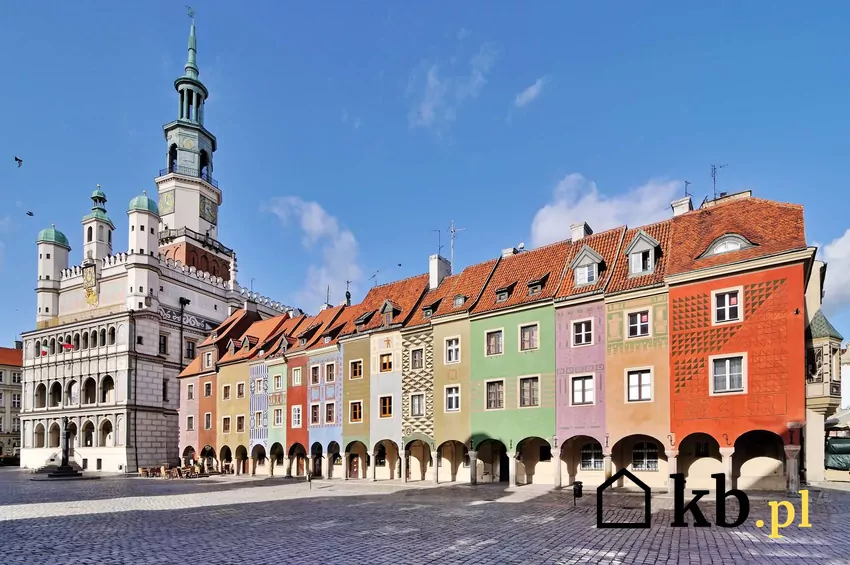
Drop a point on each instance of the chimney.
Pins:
(509, 251)
(579, 231)
(250, 306)
(19, 344)
(439, 268)
(347, 298)
(682, 206)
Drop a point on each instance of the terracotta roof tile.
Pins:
(320, 322)
(468, 283)
(222, 328)
(773, 227)
(256, 333)
(516, 271)
(606, 244)
(284, 334)
(333, 329)
(621, 281)
(231, 328)
(405, 293)
(11, 356)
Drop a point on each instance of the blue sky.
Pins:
(348, 131)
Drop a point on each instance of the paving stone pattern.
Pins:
(153, 521)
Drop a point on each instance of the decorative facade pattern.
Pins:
(418, 380)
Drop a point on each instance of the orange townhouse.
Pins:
(737, 278)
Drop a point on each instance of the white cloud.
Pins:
(437, 97)
(528, 95)
(577, 199)
(334, 248)
(837, 284)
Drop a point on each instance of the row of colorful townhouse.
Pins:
(680, 346)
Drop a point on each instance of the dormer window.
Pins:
(643, 253)
(640, 262)
(427, 313)
(502, 296)
(302, 341)
(459, 300)
(586, 274)
(388, 318)
(534, 289)
(327, 339)
(726, 244)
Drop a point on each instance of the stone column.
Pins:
(195, 105)
(186, 104)
(557, 460)
(435, 457)
(792, 453)
(345, 469)
(473, 467)
(814, 433)
(512, 470)
(179, 105)
(672, 467)
(287, 461)
(606, 465)
(200, 111)
(404, 455)
(726, 453)
(374, 466)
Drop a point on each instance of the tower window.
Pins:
(141, 228)
(90, 232)
(151, 230)
(142, 251)
(48, 255)
(109, 236)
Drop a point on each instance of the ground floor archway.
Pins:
(259, 462)
(334, 461)
(582, 459)
(356, 460)
(241, 460)
(494, 464)
(699, 457)
(534, 462)
(297, 461)
(226, 458)
(72, 438)
(642, 455)
(759, 461)
(453, 462)
(385, 461)
(188, 455)
(418, 460)
(316, 459)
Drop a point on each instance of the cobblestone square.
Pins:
(234, 520)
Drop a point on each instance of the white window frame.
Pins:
(228, 389)
(592, 268)
(744, 375)
(277, 381)
(350, 412)
(315, 368)
(446, 350)
(260, 423)
(504, 395)
(350, 365)
(410, 404)
(412, 351)
(190, 423)
(573, 325)
(243, 423)
(648, 369)
(392, 407)
(207, 416)
(740, 318)
(381, 363)
(190, 391)
(208, 359)
(519, 392)
(297, 410)
(324, 413)
(641, 271)
(237, 390)
(520, 327)
(275, 413)
(330, 364)
(627, 313)
(577, 376)
(486, 335)
(258, 385)
(229, 428)
(296, 376)
(207, 384)
(446, 408)
(318, 421)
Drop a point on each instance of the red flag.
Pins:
(67, 346)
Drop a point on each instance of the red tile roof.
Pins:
(231, 328)
(333, 329)
(258, 332)
(321, 322)
(468, 283)
(606, 244)
(773, 227)
(405, 294)
(11, 356)
(285, 334)
(516, 271)
(621, 281)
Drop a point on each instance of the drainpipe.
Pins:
(135, 380)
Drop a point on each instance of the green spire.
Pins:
(191, 64)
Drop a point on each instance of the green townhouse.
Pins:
(512, 352)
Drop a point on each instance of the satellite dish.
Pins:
(521, 246)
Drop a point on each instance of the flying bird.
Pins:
(30, 214)
(19, 161)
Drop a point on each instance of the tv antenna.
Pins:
(439, 241)
(714, 169)
(375, 277)
(687, 182)
(453, 230)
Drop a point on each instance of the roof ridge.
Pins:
(399, 280)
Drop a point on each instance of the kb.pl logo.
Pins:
(680, 509)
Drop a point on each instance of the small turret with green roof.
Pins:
(52, 235)
(143, 204)
(98, 211)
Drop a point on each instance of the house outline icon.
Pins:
(647, 502)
